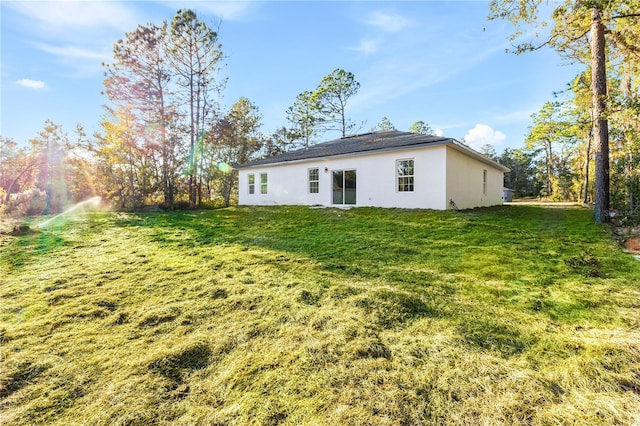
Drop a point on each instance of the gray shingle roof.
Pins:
(375, 141)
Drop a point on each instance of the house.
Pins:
(379, 169)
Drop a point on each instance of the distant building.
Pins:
(379, 169)
(507, 194)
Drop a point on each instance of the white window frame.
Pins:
(264, 183)
(343, 201)
(408, 181)
(316, 181)
(251, 183)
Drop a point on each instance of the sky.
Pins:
(441, 62)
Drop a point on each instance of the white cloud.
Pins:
(68, 17)
(31, 84)
(73, 52)
(80, 34)
(366, 47)
(438, 132)
(483, 134)
(389, 22)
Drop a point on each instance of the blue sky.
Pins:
(439, 62)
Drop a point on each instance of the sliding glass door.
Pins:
(344, 187)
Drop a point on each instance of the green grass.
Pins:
(290, 315)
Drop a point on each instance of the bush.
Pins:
(28, 203)
(177, 206)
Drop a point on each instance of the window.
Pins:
(263, 183)
(314, 181)
(252, 183)
(484, 182)
(404, 173)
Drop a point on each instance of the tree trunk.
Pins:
(7, 196)
(600, 124)
(132, 179)
(192, 144)
(166, 184)
(548, 154)
(629, 180)
(344, 121)
(587, 159)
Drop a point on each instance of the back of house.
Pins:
(378, 169)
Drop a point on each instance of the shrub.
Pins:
(28, 203)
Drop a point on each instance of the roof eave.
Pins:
(462, 147)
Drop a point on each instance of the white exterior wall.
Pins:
(465, 181)
(442, 173)
(376, 181)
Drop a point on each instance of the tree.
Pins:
(139, 81)
(49, 147)
(548, 129)
(488, 150)
(17, 169)
(522, 177)
(195, 55)
(9, 165)
(280, 141)
(579, 27)
(625, 138)
(119, 159)
(332, 94)
(79, 167)
(421, 128)
(163, 80)
(237, 139)
(580, 115)
(384, 124)
(304, 116)
(600, 122)
(48, 175)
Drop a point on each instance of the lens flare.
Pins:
(224, 167)
(94, 201)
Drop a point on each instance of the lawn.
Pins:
(291, 315)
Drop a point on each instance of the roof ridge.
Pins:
(356, 135)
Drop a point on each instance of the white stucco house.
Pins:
(378, 169)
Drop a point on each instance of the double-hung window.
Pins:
(404, 175)
(263, 183)
(251, 179)
(314, 181)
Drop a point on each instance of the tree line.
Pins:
(584, 145)
(165, 138)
